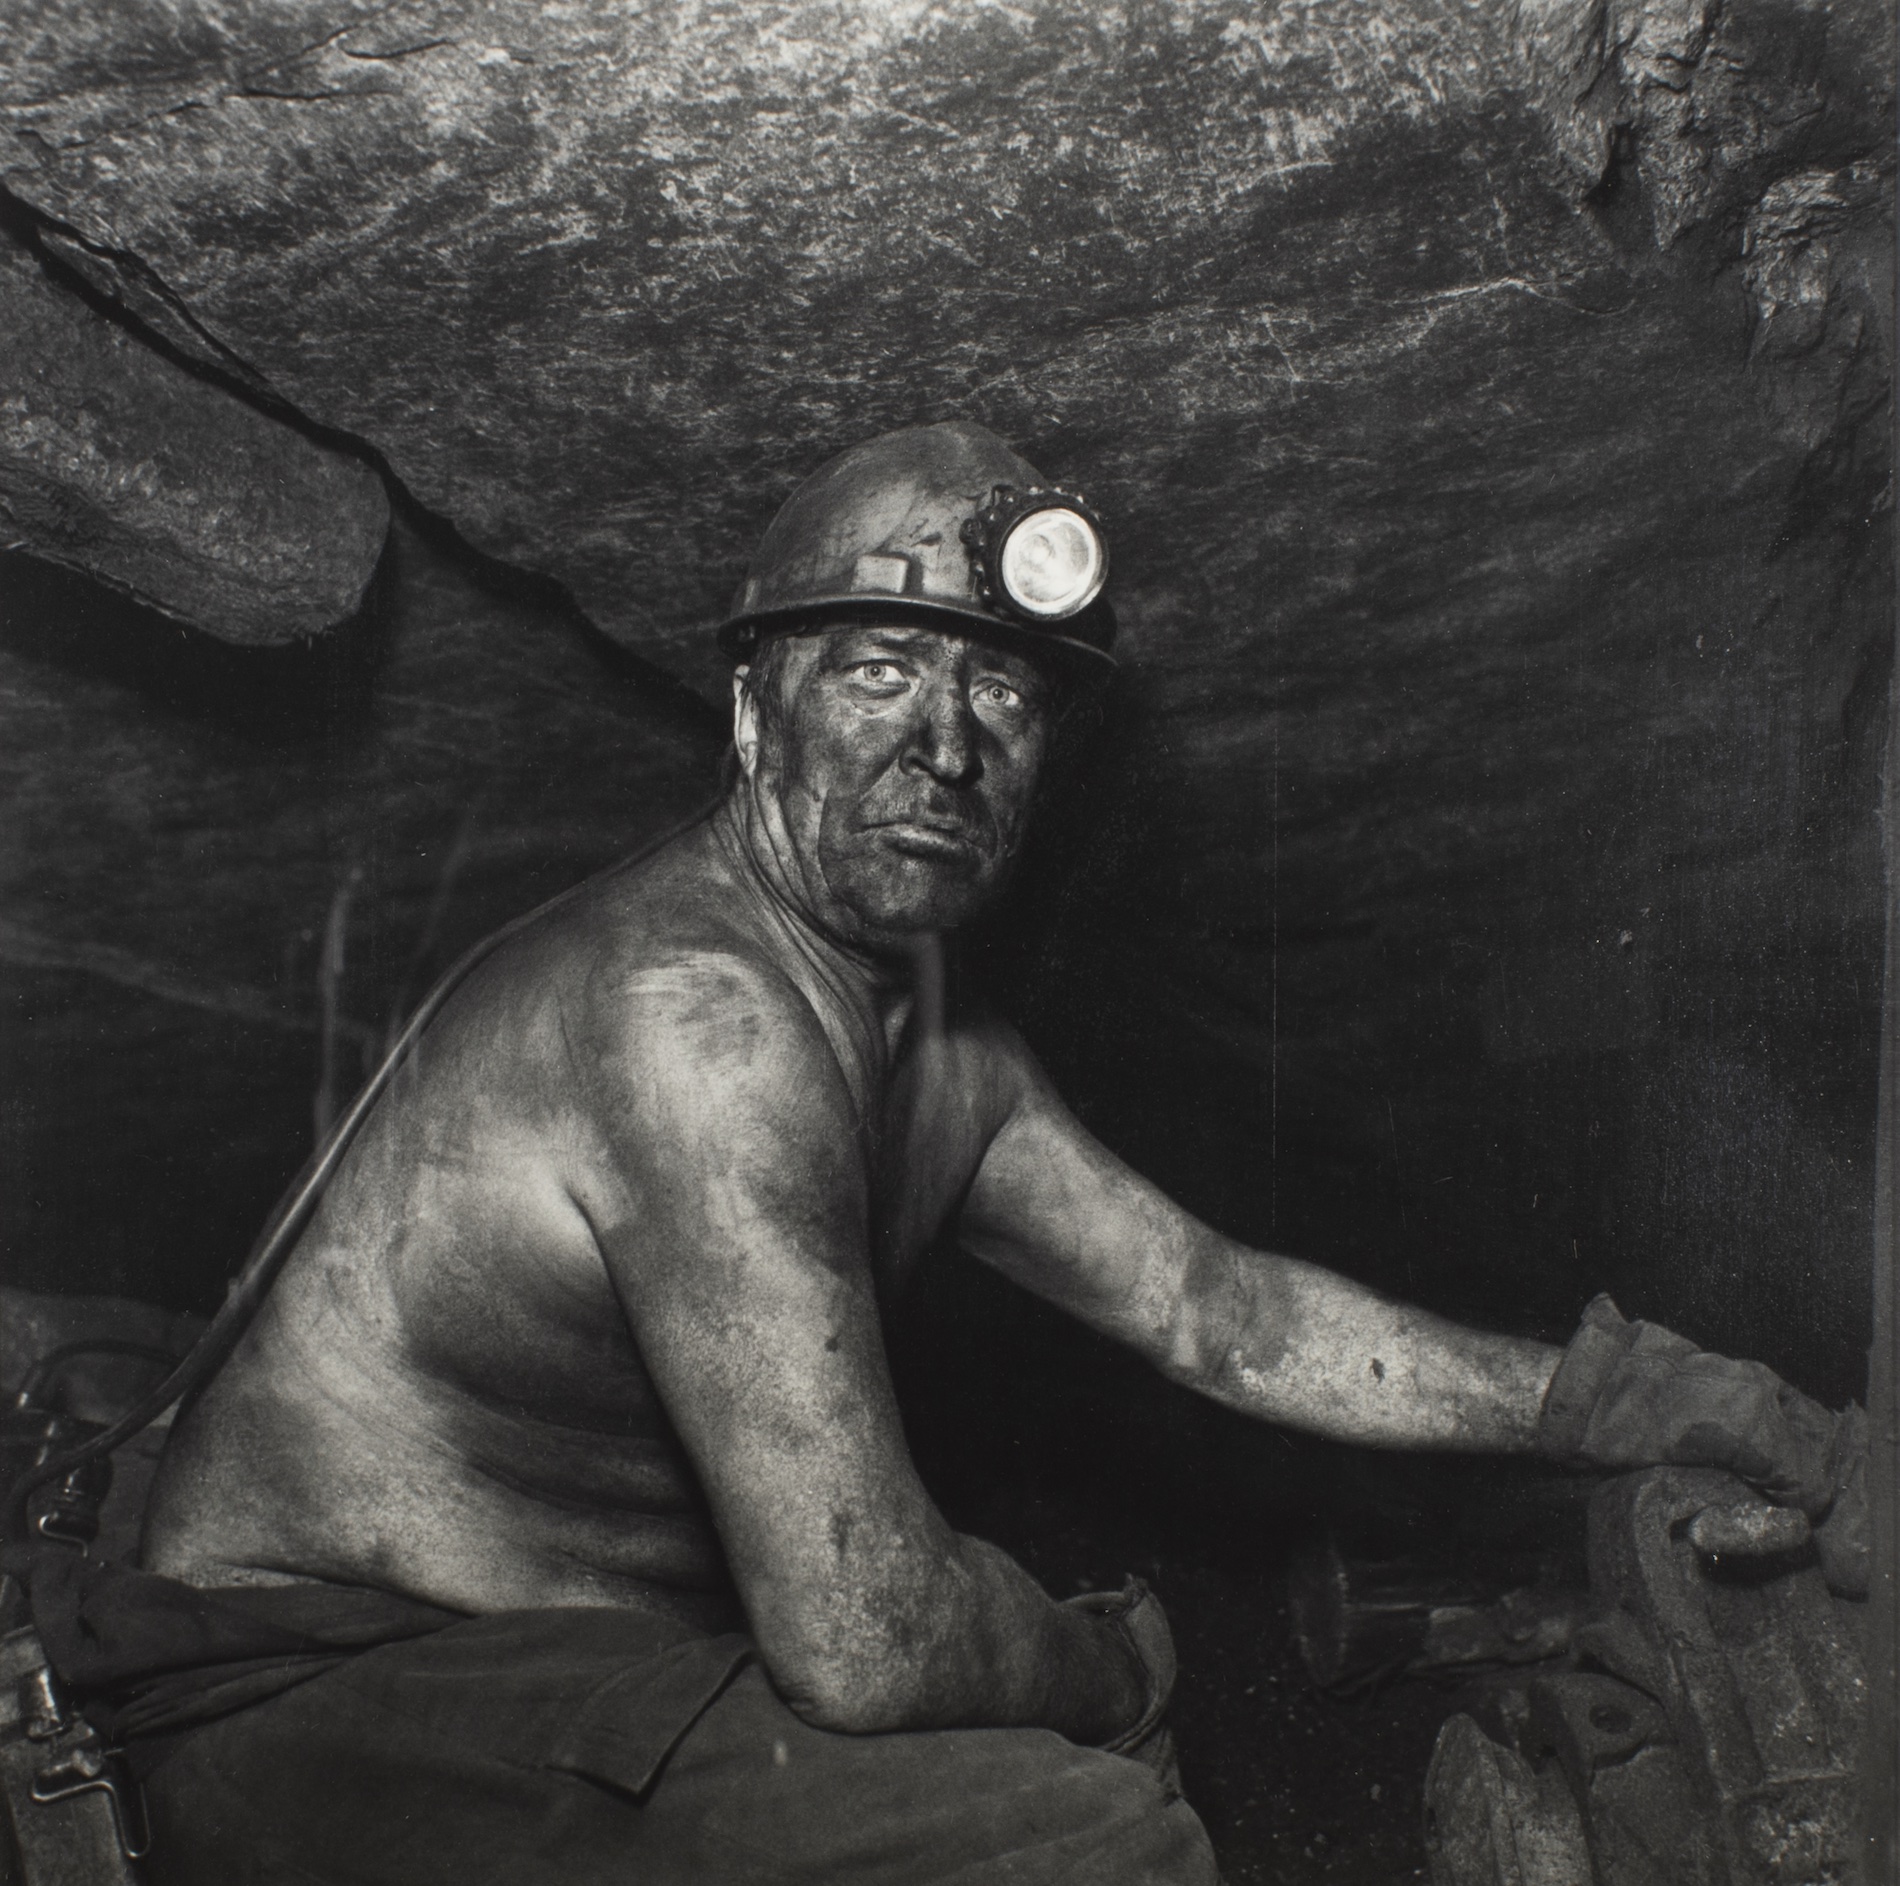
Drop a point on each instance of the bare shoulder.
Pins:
(701, 1075)
(688, 1015)
(648, 984)
(996, 1062)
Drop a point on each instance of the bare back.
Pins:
(445, 1394)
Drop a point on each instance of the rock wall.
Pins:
(231, 871)
(1477, 883)
(120, 463)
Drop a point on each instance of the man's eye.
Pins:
(879, 674)
(998, 694)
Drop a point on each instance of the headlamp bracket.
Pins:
(985, 534)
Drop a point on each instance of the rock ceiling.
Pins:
(596, 283)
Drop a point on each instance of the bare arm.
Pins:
(738, 1243)
(1271, 1336)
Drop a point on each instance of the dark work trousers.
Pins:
(581, 1746)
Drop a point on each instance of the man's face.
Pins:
(896, 768)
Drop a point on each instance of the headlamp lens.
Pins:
(1052, 562)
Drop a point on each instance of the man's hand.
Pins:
(1637, 1395)
(1135, 1614)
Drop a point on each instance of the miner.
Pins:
(554, 1519)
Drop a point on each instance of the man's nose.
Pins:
(944, 741)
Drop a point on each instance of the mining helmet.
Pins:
(940, 523)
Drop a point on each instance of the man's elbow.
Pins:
(1194, 1343)
(1232, 1320)
(850, 1695)
(876, 1655)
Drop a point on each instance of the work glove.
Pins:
(1637, 1395)
(1844, 1539)
(1135, 1614)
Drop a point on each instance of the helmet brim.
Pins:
(741, 635)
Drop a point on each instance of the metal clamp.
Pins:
(54, 1831)
(90, 1767)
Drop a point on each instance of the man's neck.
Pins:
(876, 986)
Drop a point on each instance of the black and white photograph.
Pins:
(948, 943)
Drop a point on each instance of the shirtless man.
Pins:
(581, 1359)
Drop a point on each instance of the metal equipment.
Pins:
(68, 1814)
(1704, 1730)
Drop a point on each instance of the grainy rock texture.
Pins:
(598, 282)
(1707, 100)
(1477, 884)
(122, 464)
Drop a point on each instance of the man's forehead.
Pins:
(854, 638)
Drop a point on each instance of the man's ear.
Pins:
(745, 721)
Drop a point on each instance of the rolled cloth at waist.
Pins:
(146, 1655)
(371, 1740)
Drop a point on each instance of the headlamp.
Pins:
(1039, 553)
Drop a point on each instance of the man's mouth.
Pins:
(930, 838)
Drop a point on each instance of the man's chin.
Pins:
(901, 890)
